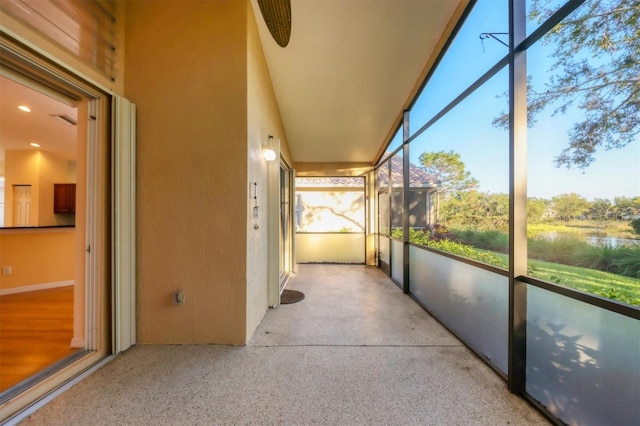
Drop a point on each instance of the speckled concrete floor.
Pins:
(355, 351)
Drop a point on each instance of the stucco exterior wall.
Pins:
(263, 120)
(186, 68)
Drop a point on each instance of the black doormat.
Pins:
(291, 296)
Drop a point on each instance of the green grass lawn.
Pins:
(613, 286)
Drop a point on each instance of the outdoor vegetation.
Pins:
(602, 269)
(574, 154)
(588, 75)
(592, 246)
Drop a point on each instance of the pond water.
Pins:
(593, 239)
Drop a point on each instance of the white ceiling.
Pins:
(348, 71)
(18, 129)
(341, 83)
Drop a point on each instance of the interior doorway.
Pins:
(384, 236)
(22, 206)
(54, 288)
(41, 274)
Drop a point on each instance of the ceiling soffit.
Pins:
(348, 71)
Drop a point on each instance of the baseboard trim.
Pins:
(35, 287)
(77, 342)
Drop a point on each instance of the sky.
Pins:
(467, 129)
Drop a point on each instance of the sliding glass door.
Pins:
(285, 238)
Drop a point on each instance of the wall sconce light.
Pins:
(268, 152)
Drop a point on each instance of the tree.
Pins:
(476, 210)
(600, 209)
(625, 208)
(450, 173)
(536, 209)
(597, 67)
(569, 206)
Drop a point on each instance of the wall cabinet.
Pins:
(64, 197)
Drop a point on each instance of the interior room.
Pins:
(39, 141)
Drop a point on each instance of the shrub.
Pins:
(564, 250)
(489, 240)
(418, 236)
(468, 252)
(627, 260)
(440, 238)
(429, 233)
(601, 257)
(439, 232)
(464, 236)
(560, 250)
(635, 224)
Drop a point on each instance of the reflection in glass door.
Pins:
(384, 240)
(285, 224)
(40, 275)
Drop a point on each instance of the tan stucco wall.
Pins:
(263, 120)
(186, 68)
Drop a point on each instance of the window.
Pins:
(471, 54)
(330, 204)
(584, 153)
(397, 194)
(459, 168)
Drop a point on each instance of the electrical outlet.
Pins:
(6, 270)
(178, 297)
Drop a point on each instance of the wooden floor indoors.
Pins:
(35, 332)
